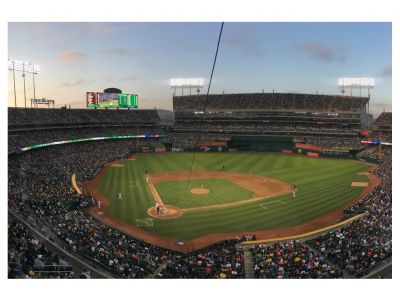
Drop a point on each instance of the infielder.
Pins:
(294, 191)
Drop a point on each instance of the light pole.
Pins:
(34, 88)
(23, 75)
(24, 67)
(15, 93)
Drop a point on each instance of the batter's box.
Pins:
(144, 222)
(265, 206)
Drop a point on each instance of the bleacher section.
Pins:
(38, 118)
(272, 114)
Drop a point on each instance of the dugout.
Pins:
(261, 143)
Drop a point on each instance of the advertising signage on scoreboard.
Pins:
(111, 100)
(92, 99)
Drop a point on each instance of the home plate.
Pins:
(100, 212)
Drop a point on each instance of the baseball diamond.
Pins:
(323, 186)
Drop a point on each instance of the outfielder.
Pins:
(119, 196)
(294, 191)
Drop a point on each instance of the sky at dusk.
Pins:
(140, 58)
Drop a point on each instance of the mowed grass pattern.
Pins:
(220, 192)
(323, 185)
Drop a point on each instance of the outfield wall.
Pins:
(261, 143)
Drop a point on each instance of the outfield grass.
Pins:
(323, 185)
(221, 191)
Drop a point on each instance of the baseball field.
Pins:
(227, 192)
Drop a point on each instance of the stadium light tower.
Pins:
(346, 83)
(187, 83)
(24, 67)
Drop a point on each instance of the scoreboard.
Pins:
(127, 101)
(111, 100)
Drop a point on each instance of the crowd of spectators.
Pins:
(291, 259)
(332, 142)
(260, 128)
(384, 119)
(380, 136)
(28, 257)
(364, 243)
(269, 114)
(271, 101)
(223, 260)
(32, 116)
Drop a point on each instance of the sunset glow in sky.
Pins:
(141, 58)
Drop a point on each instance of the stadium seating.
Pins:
(40, 189)
(272, 114)
(23, 118)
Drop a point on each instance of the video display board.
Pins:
(111, 100)
(127, 101)
(108, 100)
(146, 136)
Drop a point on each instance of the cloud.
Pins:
(120, 51)
(75, 83)
(72, 55)
(243, 38)
(323, 52)
(387, 70)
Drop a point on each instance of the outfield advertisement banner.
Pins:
(212, 143)
(307, 146)
(148, 136)
(375, 142)
(287, 151)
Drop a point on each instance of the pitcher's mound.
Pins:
(168, 211)
(199, 191)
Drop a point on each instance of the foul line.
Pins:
(269, 203)
(347, 221)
